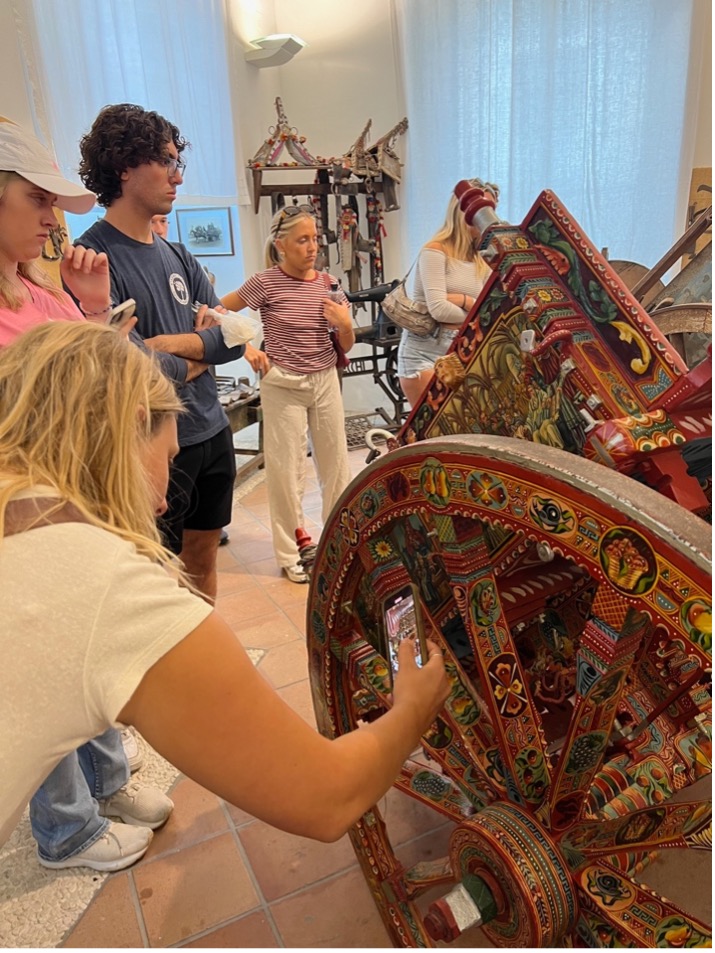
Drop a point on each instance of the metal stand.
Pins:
(243, 408)
(383, 337)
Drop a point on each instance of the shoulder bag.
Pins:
(411, 315)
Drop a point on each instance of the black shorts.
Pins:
(200, 492)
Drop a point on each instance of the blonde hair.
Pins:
(282, 222)
(9, 297)
(77, 401)
(454, 233)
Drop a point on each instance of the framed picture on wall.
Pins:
(205, 231)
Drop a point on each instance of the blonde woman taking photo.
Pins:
(449, 277)
(83, 474)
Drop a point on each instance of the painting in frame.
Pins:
(205, 231)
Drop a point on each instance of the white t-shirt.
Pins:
(438, 275)
(83, 616)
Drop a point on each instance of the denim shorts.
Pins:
(416, 354)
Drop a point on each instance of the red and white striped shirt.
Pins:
(296, 332)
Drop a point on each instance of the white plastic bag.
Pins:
(236, 328)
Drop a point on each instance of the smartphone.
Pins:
(404, 620)
(123, 312)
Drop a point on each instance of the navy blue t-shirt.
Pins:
(164, 279)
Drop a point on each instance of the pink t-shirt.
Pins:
(42, 307)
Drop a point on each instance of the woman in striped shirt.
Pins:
(300, 389)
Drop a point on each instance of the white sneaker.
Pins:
(120, 846)
(296, 573)
(138, 804)
(133, 748)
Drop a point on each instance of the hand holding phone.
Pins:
(123, 312)
(404, 620)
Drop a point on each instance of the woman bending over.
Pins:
(83, 473)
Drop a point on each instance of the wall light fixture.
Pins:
(274, 50)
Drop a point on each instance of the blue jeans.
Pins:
(416, 354)
(64, 814)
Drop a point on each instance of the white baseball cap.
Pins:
(21, 152)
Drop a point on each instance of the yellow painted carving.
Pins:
(631, 336)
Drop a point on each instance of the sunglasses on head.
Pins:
(290, 211)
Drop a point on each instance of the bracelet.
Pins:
(94, 314)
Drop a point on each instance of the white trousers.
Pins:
(295, 406)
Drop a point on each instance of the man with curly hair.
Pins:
(131, 159)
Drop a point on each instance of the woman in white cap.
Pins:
(69, 812)
(30, 185)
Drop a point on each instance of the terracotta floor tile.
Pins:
(285, 664)
(194, 890)
(284, 863)
(237, 608)
(430, 846)
(252, 550)
(273, 629)
(239, 817)
(240, 517)
(197, 814)
(312, 499)
(314, 514)
(251, 932)
(679, 874)
(299, 697)
(407, 818)
(258, 508)
(225, 560)
(265, 571)
(234, 579)
(286, 593)
(314, 527)
(265, 520)
(472, 939)
(250, 531)
(258, 495)
(110, 920)
(337, 913)
(296, 613)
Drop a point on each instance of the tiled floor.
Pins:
(215, 877)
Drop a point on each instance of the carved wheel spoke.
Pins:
(685, 824)
(498, 669)
(618, 911)
(572, 607)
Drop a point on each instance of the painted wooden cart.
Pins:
(566, 577)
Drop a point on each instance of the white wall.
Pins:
(703, 152)
(345, 75)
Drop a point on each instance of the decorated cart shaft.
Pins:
(570, 599)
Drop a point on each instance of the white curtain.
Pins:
(585, 97)
(165, 55)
